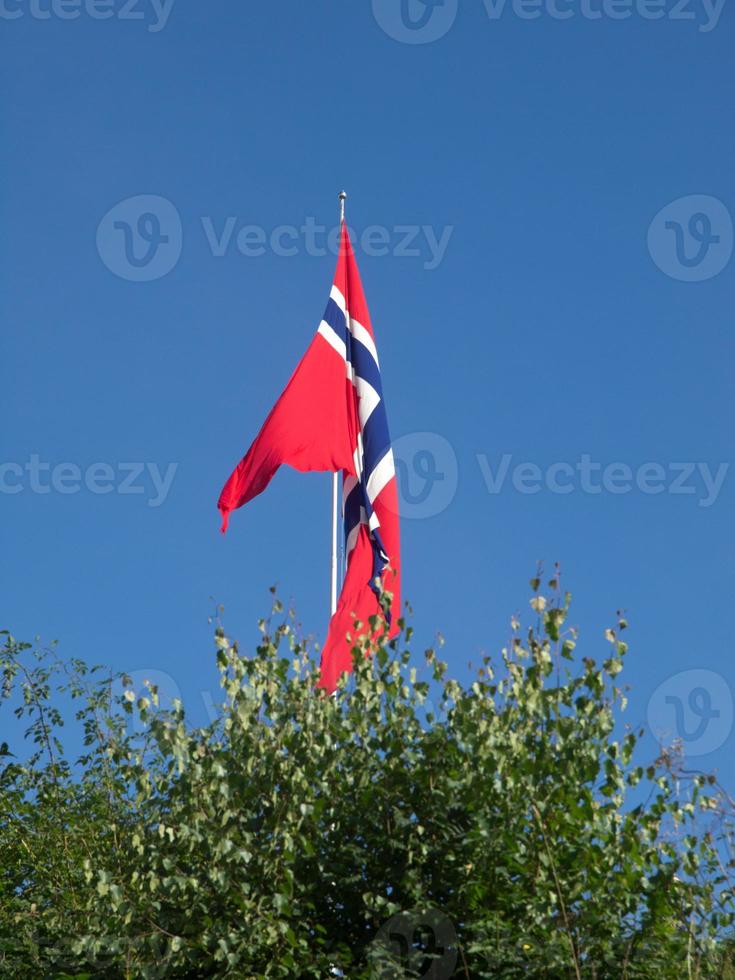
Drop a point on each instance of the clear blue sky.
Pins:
(553, 326)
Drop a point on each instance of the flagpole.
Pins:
(335, 509)
(335, 476)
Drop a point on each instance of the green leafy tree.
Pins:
(500, 830)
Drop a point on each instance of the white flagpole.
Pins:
(335, 476)
(335, 509)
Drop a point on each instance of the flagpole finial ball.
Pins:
(343, 195)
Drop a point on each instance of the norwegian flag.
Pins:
(331, 417)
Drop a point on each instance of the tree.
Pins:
(407, 825)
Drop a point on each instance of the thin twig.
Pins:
(557, 884)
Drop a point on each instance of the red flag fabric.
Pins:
(309, 428)
(331, 417)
